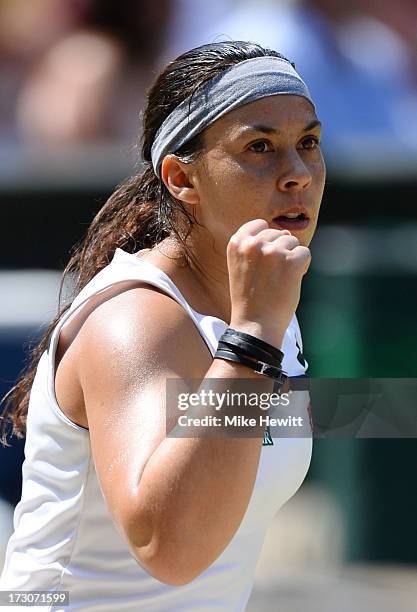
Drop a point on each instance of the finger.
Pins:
(252, 228)
(270, 234)
(288, 242)
(280, 243)
(301, 256)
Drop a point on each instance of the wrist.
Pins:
(271, 334)
(249, 350)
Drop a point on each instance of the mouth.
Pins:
(292, 221)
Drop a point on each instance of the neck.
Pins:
(204, 272)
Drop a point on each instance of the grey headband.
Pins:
(245, 82)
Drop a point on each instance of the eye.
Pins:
(310, 143)
(260, 146)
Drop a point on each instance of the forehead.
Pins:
(284, 113)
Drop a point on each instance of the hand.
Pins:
(266, 267)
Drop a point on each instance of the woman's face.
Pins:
(262, 160)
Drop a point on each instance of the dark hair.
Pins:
(141, 212)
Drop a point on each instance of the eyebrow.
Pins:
(269, 130)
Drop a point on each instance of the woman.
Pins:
(113, 510)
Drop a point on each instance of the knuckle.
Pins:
(273, 251)
(249, 245)
(300, 255)
(293, 241)
(273, 255)
(233, 242)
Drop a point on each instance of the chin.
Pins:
(305, 237)
(305, 240)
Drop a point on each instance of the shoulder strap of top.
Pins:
(123, 268)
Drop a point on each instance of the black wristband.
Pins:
(257, 342)
(257, 366)
(247, 350)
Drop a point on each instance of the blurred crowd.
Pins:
(76, 71)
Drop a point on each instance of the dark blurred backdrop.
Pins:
(73, 78)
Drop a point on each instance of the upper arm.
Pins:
(126, 349)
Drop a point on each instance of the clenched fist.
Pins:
(266, 267)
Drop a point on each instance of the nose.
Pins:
(293, 173)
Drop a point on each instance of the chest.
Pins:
(282, 469)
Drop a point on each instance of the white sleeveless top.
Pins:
(64, 536)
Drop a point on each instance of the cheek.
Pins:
(229, 203)
(319, 173)
(233, 192)
(246, 183)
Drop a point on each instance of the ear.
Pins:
(177, 177)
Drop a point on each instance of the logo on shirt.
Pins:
(267, 441)
(300, 356)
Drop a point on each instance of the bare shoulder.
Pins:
(142, 327)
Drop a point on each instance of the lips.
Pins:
(295, 219)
